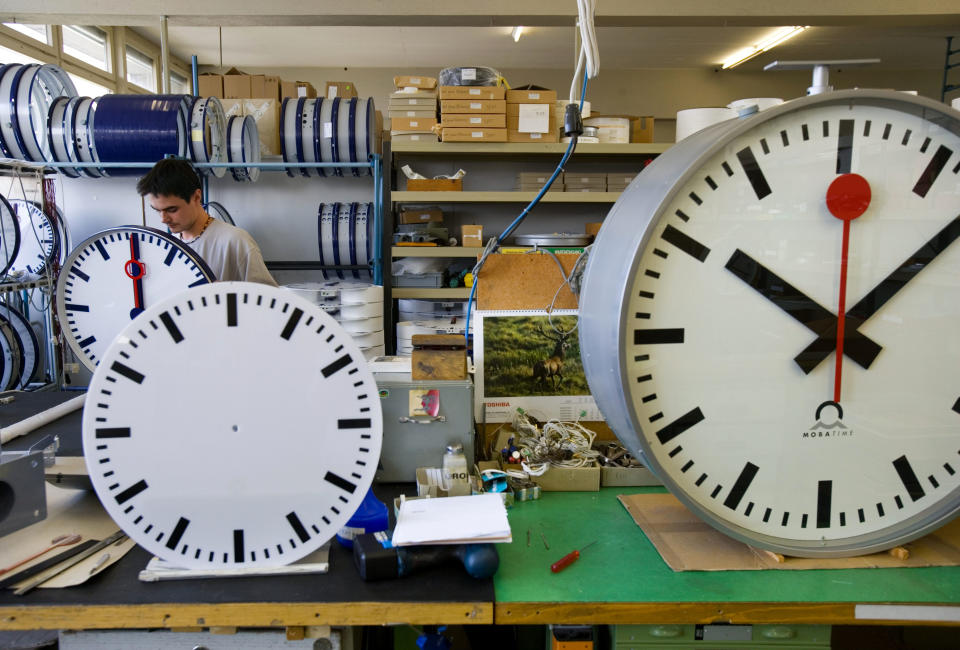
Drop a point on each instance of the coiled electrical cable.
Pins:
(208, 134)
(244, 147)
(138, 128)
(469, 77)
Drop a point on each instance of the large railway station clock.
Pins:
(232, 425)
(771, 316)
(113, 276)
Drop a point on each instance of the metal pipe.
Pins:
(164, 57)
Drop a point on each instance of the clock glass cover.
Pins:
(231, 425)
(783, 297)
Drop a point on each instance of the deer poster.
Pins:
(530, 360)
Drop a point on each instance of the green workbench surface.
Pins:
(624, 567)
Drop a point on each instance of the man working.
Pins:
(173, 189)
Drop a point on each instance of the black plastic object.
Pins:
(375, 562)
(572, 122)
(465, 76)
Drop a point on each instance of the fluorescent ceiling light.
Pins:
(517, 33)
(772, 39)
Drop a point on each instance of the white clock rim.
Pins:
(72, 342)
(610, 381)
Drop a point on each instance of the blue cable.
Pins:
(516, 222)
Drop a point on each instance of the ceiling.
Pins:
(405, 47)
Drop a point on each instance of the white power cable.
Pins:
(589, 50)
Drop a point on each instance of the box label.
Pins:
(477, 134)
(476, 106)
(476, 120)
(534, 118)
(468, 74)
(474, 91)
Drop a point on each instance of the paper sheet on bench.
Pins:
(452, 520)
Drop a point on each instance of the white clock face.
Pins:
(234, 424)
(39, 238)
(728, 336)
(113, 276)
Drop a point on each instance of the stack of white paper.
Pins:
(452, 520)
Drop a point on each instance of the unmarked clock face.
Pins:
(113, 276)
(728, 338)
(234, 424)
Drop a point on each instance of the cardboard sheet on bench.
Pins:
(688, 544)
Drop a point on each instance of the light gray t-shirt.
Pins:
(232, 254)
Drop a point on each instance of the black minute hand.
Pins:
(802, 308)
(871, 303)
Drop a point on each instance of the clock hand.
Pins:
(802, 308)
(848, 197)
(135, 270)
(871, 303)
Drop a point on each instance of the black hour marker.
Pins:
(824, 493)
(845, 146)
(909, 478)
(803, 521)
(934, 167)
(683, 216)
(740, 486)
(339, 364)
(90, 340)
(354, 423)
(71, 307)
(657, 336)
(103, 251)
(678, 426)
(686, 243)
(131, 492)
(860, 515)
(716, 491)
(696, 199)
(291, 324)
(726, 168)
(826, 129)
(949, 469)
(880, 509)
(231, 310)
(177, 533)
(168, 260)
(686, 466)
(784, 139)
(898, 501)
(786, 518)
(297, 526)
(764, 146)
(651, 274)
(676, 450)
(754, 174)
(766, 515)
(933, 481)
(925, 145)
(238, 545)
(127, 372)
(340, 482)
(906, 137)
(172, 328)
(699, 481)
(805, 132)
(886, 131)
(843, 519)
(114, 432)
(712, 183)
(746, 513)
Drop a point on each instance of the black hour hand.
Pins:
(802, 308)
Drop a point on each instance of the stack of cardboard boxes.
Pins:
(530, 116)
(585, 182)
(534, 181)
(413, 109)
(619, 182)
(473, 113)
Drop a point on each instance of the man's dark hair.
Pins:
(170, 177)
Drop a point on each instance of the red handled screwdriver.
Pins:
(569, 558)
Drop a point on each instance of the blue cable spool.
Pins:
(139, 128)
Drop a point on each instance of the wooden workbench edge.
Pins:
(608, 613)
(153, 616)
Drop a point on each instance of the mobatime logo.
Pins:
(835, 429)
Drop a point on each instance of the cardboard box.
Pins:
(418, 94)
(297, 89)
(513, 135)
(210, 85)
(620, 179)
(593, 178)
(470, 106)
(593, 228)
(556, 479)
(264, 87)
(472, 92)
(471, 235)
(538, 177)
(413, 103)
(438, 356)
(641, 129)
(424, 124)
(536, 187)
(434, 184)
(232, 107)
(306, 89)
(337, 89)
(414, 81)
(237, 86)
(414, 137)
(424, 113)
(532, 97)
(266, 113)
(627, 476)
(288, 89)
(525, 282)
(428, 215)
(483, 120)
(473, 135)
(532, 120)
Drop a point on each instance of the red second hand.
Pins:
(847, 198)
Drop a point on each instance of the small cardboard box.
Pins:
(434, 184)
(413, 103)
(306, 89)
(532, 97)
(423, 112)
(413, 137)
(483, 120)
(423, 124)
(471, 235)
(457, 134)
(344, 89)
(641, 129)
(414, 81)
(470, 106)
(472, 92)
(210, 85)
(237, 86)
(538, 178)
(438, 357)
(264, 87)
(432, 215)
(513, 135)
(288, 89)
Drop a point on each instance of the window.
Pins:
(179, 85)
(12, 56)
(37, 32)
(87, 43)
(140, 70)
(87, 88)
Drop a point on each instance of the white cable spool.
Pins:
(346, 137)
(691, 120)
(244, 147)
(81, 136)
(357, 312)
(318, 293)
(60, 133)
(288, 132)
(363, 325)
(361, 294)
(7, 115)
(36, 90)
(308, 136)
(208, 134)
(328, 213)
(368, 340)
